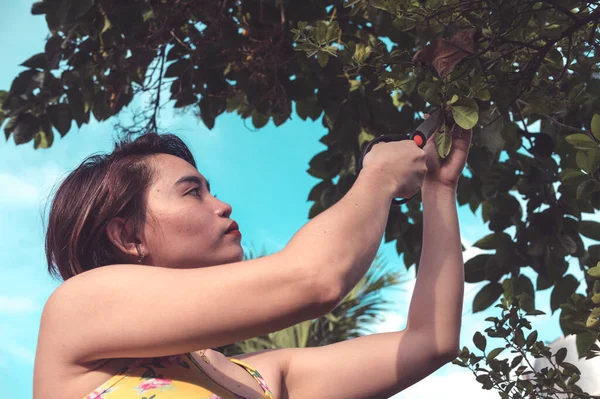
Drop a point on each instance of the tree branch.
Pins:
(551, 119)
(563, 9)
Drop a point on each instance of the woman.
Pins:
(153, 278)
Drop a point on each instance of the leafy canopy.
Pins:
(522, 74)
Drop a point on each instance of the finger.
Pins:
(460, 133)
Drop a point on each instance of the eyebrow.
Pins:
(192, 179)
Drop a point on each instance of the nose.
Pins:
(223, 208)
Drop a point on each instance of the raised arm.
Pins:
(143, 311)
(381, 365)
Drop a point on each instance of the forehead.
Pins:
(169, 168)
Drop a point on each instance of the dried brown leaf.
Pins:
(444, 55)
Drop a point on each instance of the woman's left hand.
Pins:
(447, 171)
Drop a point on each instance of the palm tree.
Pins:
(354, 316)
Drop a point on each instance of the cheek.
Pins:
(177, 226)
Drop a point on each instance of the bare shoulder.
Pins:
(54, 370)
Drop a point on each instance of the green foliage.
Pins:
(522, 74)
(513, 374)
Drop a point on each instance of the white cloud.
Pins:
(445, 383)
(392, 322)
(30, 187)
(10, 304)
(18, 352)
(17, 191)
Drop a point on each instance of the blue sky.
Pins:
(262, 174)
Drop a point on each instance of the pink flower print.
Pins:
(99, 392)
(152, 383)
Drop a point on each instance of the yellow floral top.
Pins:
(170, 377)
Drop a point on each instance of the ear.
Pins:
(120, 233)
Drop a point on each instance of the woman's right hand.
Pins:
(402, 163)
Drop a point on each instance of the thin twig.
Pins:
(154, 124)
(551, 119)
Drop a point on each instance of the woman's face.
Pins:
(186, 224)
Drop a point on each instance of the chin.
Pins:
(236, 257)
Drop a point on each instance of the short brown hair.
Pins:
(100, 188)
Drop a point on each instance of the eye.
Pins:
(196, 190)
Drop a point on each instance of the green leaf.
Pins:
(316, 209)
(532, 338)
(474, 268)
(259, 120)
(40, 7)
(43, 139)
(596, 126)
(430, 92)
(493, 241)
(487, 296)
(3, 97)
(206, 112)
(594, 271)
(590, 229)
(465, 112)
(581, 159)
(527, 303)
(593, 160)
(570, 367)
(581, 141)
(584, 342)
(561, 355)
(26, 128)
(107, 25)
(569, 173)
(37, 61)
(593, 319)
(484, 95)
(80, 7)
(364, 137)
(321, 31)
(586, 188)
(568, 244)
(308, 108)
(362, 53)
(148, 15)
(323, 58)
(443, 141)
(332, 31)
(60, 116)
(315, 193)
(563, 290)
(404, 24)
(77, 105)
(177, 68)
(326, 165)
(479, 341)
(10, 127)
(494, 353)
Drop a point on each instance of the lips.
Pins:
(232, 227)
